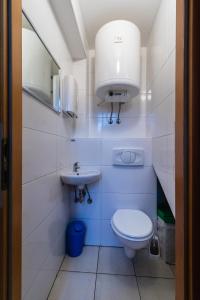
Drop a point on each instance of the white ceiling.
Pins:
(98, 12)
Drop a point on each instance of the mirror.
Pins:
(40, 72)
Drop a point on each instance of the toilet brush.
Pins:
(154, 247)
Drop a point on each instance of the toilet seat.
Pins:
(132, 224)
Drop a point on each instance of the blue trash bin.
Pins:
(75, 237)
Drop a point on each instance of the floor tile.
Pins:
(86, 262)
(73, 286)
(117, 287)
(156, 288)
(113, 261)
(145, 265)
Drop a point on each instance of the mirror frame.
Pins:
(34, 95)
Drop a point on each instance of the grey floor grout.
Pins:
(56, 277)
(96, 273)
(111, 274)
(136, 279)
(117, 274)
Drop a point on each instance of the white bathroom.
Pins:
(98, 149)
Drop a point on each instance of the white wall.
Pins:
(45, 147)
(161, 83)
(119, 187)
(136, 120)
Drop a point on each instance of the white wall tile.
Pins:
(113, 201)
(96, 109)
(109, 144)
(108, 237)
(128, 180)
(164, 83)
(163, 153)
(86, 151)
(65, 126)
(95, 127)
(164, 117)
(62, 152)
(45, 200)
(161, 81)
(91, 61)
(81, 125)
(149, 125)
(55, 257)
(39, 198)
(82, 102)
(122, 187)
(39, 154)
(93, 234)
(85, 210)
(171, 14)
(37, 116)
(137, 106)
(80, 73)
(164, 164)
(39, 244)
(162, 38)
(129, 127)
(34, 252)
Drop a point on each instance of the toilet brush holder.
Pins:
(154, 247)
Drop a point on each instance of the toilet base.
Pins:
(130, 253)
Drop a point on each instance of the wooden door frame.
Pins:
(194, 148)
(11, 119)
(4, 133)
(15, 155)
(187, 150)
(180, 151)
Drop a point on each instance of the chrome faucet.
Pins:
(76, 166)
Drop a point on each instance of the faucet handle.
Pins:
(76, 166)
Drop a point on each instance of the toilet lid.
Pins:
(132, 223)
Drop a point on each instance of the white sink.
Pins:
(81, 177)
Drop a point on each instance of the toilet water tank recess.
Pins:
(117, 61)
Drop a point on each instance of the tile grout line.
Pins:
(117, 274)
(156, 277)
(96, 273)
(101, 273)
(136, 280)
(59, 270)
(138, 287)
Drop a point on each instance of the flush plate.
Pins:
(128, 156)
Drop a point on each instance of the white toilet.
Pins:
(133, 228)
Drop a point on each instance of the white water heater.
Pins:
(117, 61)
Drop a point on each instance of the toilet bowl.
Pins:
(133, 228)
